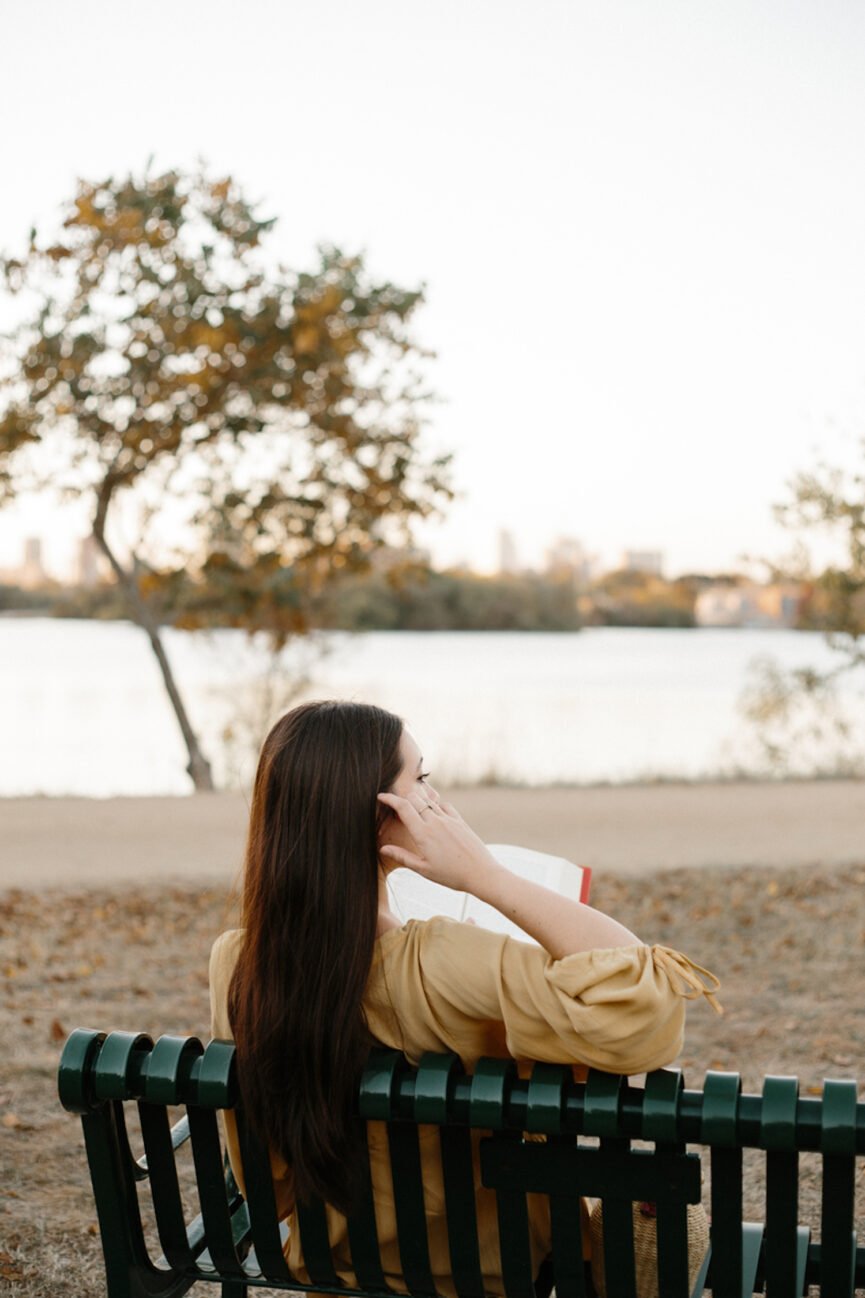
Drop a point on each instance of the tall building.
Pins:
(648, 561)
(566, 556)
(90, 563)
(508, 562)
(32, 572)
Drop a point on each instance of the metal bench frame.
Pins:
(237, 1241)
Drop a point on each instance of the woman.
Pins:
(322, 969)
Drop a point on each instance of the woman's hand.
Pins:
(448, 851)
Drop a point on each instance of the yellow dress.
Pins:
(442, 985)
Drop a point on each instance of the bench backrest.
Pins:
(590, 1150)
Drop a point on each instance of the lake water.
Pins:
(84, 711)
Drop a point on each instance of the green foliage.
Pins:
(830, 502)
(834, 600)
(795, 709)
(421, 599)
(15, 599)
(403, 596)
(628, 598)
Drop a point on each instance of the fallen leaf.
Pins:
(12, 1122)
(57, 1032)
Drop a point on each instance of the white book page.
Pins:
(414, 897)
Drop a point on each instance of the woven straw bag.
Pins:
(646, 1246)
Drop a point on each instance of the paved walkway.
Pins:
(634, 828)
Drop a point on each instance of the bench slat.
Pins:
(619, 1268)
(513, 1219)
(726, 1215)
(411, 1224)
(778, 1137)
(672, 1236)
(435, 1084)
(567, 1239)
(803, 1244)
(459, 1183)
(165, 1189)
(212, 1194)
(566, 1223)
(838, 1143)
(110, 1163)
(315, 1243)
(261, 1201)
(719, 1128)
(782, 1220)
(837, 1237)
(362, 1232)
(545, 1104)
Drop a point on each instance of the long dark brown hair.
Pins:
(310, 907)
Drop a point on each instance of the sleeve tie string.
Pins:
(680, 970)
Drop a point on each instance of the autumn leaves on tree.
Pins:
(264, 425)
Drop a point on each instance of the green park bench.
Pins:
(590, 1150)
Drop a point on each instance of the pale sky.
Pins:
(641, 226)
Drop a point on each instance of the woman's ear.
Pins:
(383, 820)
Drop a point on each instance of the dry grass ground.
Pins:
(788, 945)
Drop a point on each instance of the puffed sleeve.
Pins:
(223, 957)
(621, 1010)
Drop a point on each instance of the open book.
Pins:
(414, 897)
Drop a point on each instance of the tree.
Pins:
(276, 416)
(832, 501)
(802, 704)
(627, 597)
(417, 598)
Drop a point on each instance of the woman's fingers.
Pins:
(406, 810)
(410, 810)
(401, 857)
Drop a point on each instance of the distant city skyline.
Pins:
(640, 228)
(79, 560)
(626, 593)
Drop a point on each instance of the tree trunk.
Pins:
(198, 766)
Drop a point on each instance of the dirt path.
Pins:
(632, 828)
